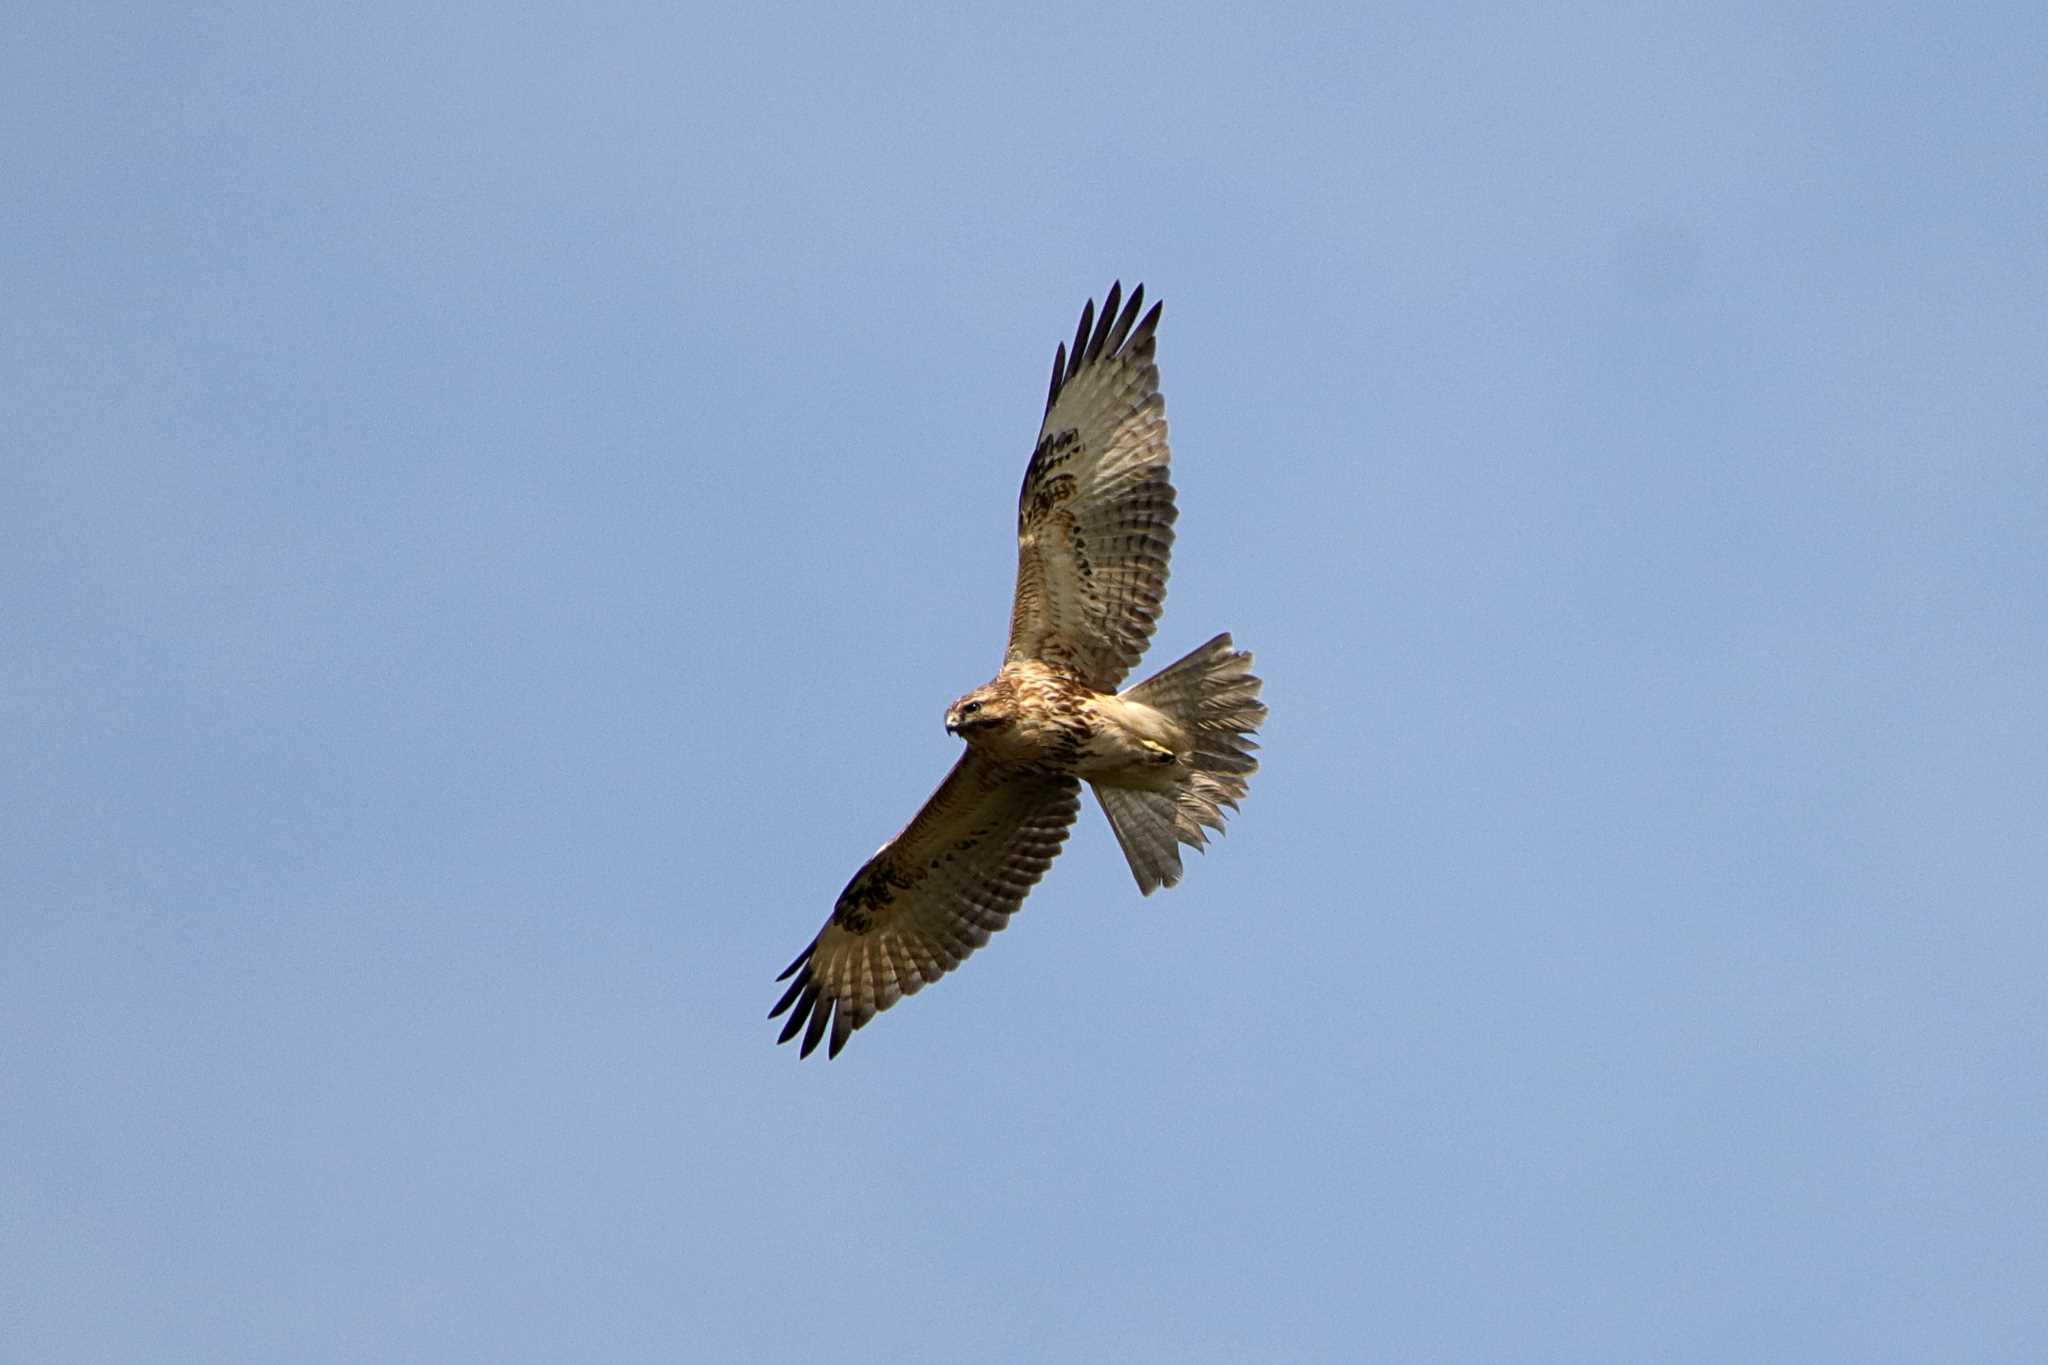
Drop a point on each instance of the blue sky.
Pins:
(496, 503)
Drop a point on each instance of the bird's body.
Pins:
(1039, 716)
(1165, 758)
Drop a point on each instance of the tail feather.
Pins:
(1213, 695)
(1145, 828)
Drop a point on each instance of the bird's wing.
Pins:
(1095, 517)
(931, 896)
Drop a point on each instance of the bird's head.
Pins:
(983, 711)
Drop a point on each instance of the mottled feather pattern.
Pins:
(1095, 522)
(1095, 515)
(1213, 694)
(930, 897)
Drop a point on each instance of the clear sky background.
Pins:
(495, 504)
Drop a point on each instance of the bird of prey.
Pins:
(1094, 526)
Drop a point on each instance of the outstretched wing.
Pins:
(931, 896)
(1095, 517)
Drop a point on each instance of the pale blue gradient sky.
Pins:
(495, 504)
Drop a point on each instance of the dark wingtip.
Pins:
(1125, 320)
(1101, 335)
(796, 988)
(1059, 375)
(821, 1015)
(1110, 303)
(801, 959)
(1151, 322)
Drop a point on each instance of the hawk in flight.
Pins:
(1094, 525)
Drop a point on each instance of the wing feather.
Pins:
(930, 897)
(1095, 515)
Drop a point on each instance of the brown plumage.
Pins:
(1165, 758)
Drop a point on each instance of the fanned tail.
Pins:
(1213, 694)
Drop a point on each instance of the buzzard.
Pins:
(1094, 525)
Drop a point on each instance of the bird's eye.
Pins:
(970, 708)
